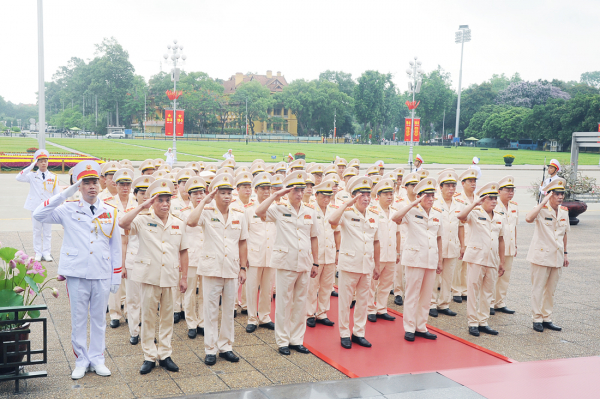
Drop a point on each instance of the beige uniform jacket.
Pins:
(157, 260)
(342, 196)
(482, 245)
(450, 222)
(326, 235)
(123, 208)
(292, 248)
(106, 196)
(511, 220)
(261, 237)
(358, 236)
(195, 238)
(238, 202)
(547, 245)
(387, 232)
(399, 203)
(221, 253)
(177, 205)
(462, 199)
(420, 248)
(133, 245)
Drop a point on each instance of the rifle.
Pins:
(541, 195)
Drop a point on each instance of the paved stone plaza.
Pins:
(576, 310)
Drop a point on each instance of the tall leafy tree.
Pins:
(369, 99)
(259, 102)
(344, 80)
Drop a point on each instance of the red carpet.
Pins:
(559, 378)
(390, 353)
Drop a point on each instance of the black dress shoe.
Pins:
(299, 348)
(447, 312)
(192, 333)
(361, 341)
(235, 313)
(433, 312)
(134, 340)
(464, 297)
(372, 318)
(492, 312)
(550, 326)
(229, 356)
(391, 292)
(284, 350)
(311, 322)
(244, 311)
(115, 323)
(334, 293)
(168, 364)
(176, 317)
(426, 335)
(352, 304)
(409, 336)
(474, 331)
(325, 322)
(487, 330)
(386, 316)
(209, 360)
(346, 343)
(147, 367)
(539, 327)
(250, 328)
(398, 300)
(505, 310)
(200, 330)
(182, 315)
(270, 325)
(457, 299)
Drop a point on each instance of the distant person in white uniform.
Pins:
(553, 169)
(476, 167)
(90, 259)
(418, 165)
(42, 185)
(170, 157)
(229, 154)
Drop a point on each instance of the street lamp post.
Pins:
(414, 73)
(174, 77)
(461, 36)
(41, 84)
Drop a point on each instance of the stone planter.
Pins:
(299, 156)
(576, 208)
(7, 337)
(508, 161)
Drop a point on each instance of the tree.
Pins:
(259, 102)
(506, 124)
(342, 79)
(591, 79)
(472, 100)
(475, 125)
(528, 94)
(369, 99)
(501, 82)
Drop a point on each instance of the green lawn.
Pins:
(21, 144)
(119, 149)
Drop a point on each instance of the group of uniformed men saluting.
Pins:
(188, 241)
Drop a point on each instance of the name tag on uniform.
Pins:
(419, 216)
(548, 218)
(256, 216)
(355, 220)
(152, 225)
(235, 222)
(502, 213)
(287, 215)
(175, 227)
(482, 218)
(214, 220)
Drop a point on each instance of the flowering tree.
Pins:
(528, 94)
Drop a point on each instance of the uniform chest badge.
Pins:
(287, 215)
(371, 220)
(436, 220)
(563, 220)
(355, 220)
(152, 225)
(214, 220)
(481, 218)
(549, 219)
(498, 222)
(419, 216)
(235, 222)
(514, 211)
(175, 227)
(307, 217)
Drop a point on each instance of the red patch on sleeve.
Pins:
(46, 202)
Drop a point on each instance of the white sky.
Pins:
(538, 38)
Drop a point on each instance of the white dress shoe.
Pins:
(79, 372)
(38, 257)
(48, 258)
(101, 370)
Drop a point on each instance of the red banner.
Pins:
(179, 123)
(407, 126)
(168, 122)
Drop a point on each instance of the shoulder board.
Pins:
(564, 208)
(309, 205)
(108, 199)
(393, 207)
(285, 197)
(111, 205)
(374, 210)
(459, 200)
(436, 209)
(513, 202)
(456, 194)
(185, 209)
(478, 208)
(334, 206)
(208, 208)
(348, 209)
(498, 213)
(72, 201)
(237, 210)
(248, 204)
(177, 217)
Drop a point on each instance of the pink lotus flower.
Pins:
(55, 292)
(31, 292)
(61, 278)
(18, 289)
(19, 254)
(24, 258)
(12, 264)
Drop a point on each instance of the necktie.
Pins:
(43, 176)
(92, 207)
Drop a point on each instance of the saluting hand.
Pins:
(480, 200)
(148, 203)
(283, 192)
(210, 196)
(353, 200)
(546, 199)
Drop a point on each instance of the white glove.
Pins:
(70, 191)
(27, 169)
(114, 288)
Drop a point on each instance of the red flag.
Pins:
(179, 123)
(417, 131)
(168, 122)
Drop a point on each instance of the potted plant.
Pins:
(508, 159)
(22, 279)
(299, 155)
(32, 150)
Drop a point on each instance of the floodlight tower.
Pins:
(460, 37)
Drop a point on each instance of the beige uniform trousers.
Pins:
(399, 280)
(543, 280)
(419, 283)
(441, 299)
(152, 297)
(193, 305)
(290, 307)
(319, 292)
(213, 288)
(240, 297)
(114, 304)
(348, 284)
(502, 284)
(259, 278)
(481, 281)
(133, 304)
(177, 300)
(459, 281)
(379, 290)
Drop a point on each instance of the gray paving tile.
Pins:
(409, 382)
(246, 394)
(354, 388)
(459, 392)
